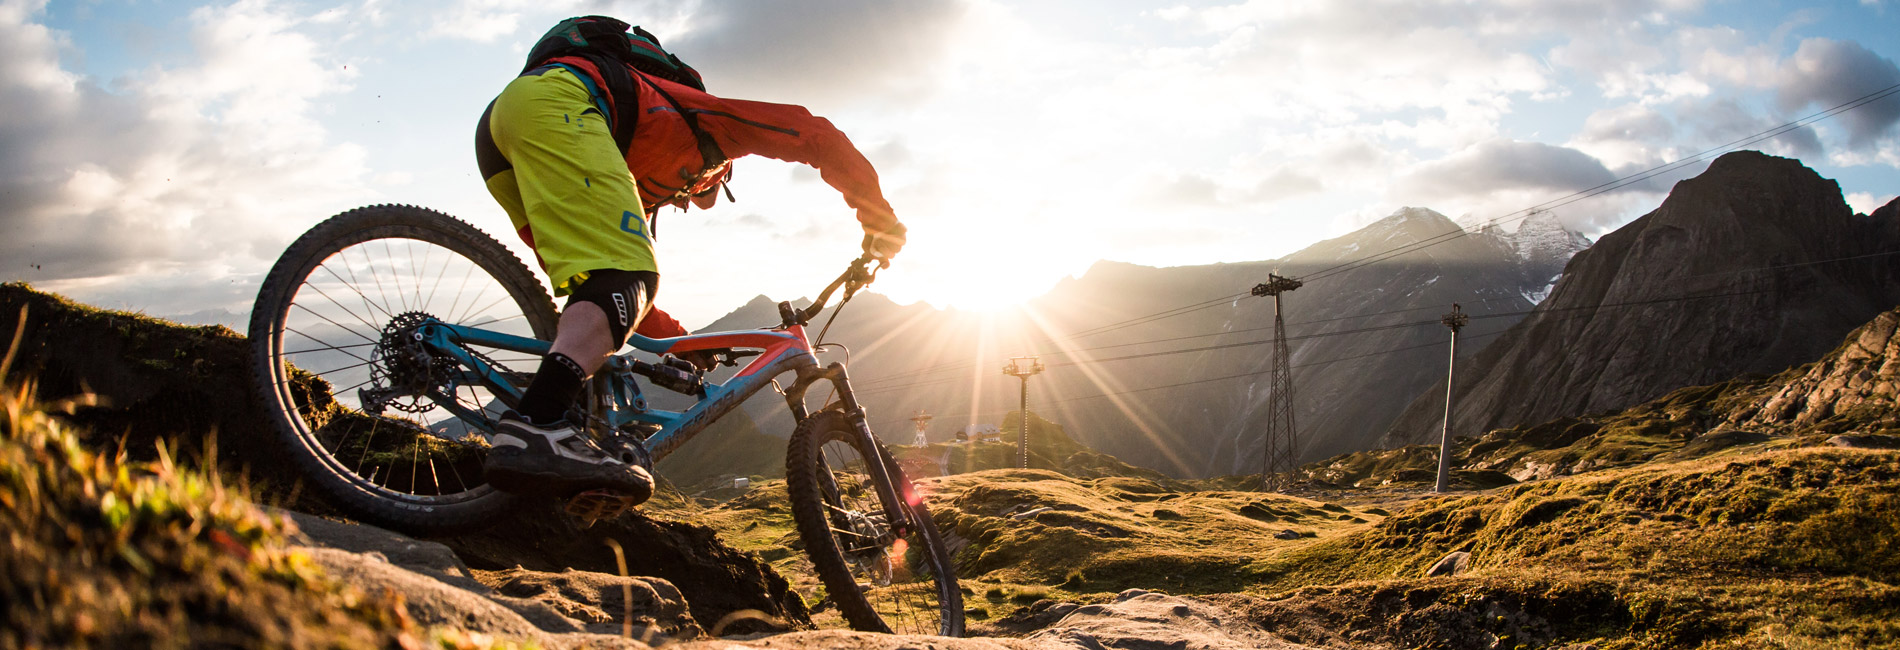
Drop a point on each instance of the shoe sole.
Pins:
(550, 482)
(595, 505)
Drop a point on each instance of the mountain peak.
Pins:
(1410, 216)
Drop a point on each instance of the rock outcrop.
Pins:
(1862, 377)
(581, 609)
(715, 578)
(438, 589)
(1753, 266)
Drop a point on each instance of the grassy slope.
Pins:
(1789, 548)
(105, 552)
(1653, 534)
(1663, 527)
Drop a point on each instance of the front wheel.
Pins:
(879, 581)
(393, 433)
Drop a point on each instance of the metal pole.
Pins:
(1454, 320)
(1023, 368)
(1281, 434)
(1022, 435)
(1271, 478)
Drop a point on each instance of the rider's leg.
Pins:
(549, 158)
(600, 313)
(547, 155)
(584, 337)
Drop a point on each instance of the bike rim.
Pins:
(336, 329)
(897, 577)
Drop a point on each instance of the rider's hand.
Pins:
(883, 245)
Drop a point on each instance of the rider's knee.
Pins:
(622, 295)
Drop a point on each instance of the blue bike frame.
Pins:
(787, 351)
(782, 350)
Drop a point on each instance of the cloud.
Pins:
(482, 21)
(1867, 202)
(1285, 183)
(818, 50)
(1187, 189)
(1197, 190)
(1630, 134)
(1508, 165)
(191, 168)
(1730, 121)
(1627, 123)
(1825, 73)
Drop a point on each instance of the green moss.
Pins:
(126, 554)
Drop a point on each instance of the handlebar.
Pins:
(861, 272)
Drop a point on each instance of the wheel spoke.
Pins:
(327, 320)
(328, 346)
(457, 302)
(492, 321)
(366, 447)
(370, 263)
(395, 277)
(416, 281)
(415, 456)
(351, 283)
(339, 305)
(325, 348)
(486, 307)
(348, 367)
(469, 310)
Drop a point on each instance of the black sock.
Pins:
(553, 389)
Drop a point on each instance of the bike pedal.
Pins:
(595, 505)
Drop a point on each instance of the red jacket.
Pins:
(664, 158)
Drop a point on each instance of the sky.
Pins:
(158, 156)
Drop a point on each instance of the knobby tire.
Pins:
(811, 506)
(476, 504)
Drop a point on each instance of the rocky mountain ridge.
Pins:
(1753, 266)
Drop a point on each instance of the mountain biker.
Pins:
(585, 203)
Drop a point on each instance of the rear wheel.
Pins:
(393, 434)
(880, 582)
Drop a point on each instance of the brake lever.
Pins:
(855, 277)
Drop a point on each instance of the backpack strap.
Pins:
(710, 155)
(617, 82)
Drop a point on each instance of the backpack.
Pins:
(607, 43)
(616, 40)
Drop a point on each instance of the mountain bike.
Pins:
(388, 340)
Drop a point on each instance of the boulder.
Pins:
(1145, 620)
(1452, 564)
(437, 589)
(1868, 441)
(1718, 440)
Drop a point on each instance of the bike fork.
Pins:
(896, 505)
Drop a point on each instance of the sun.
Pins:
(986, 286)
